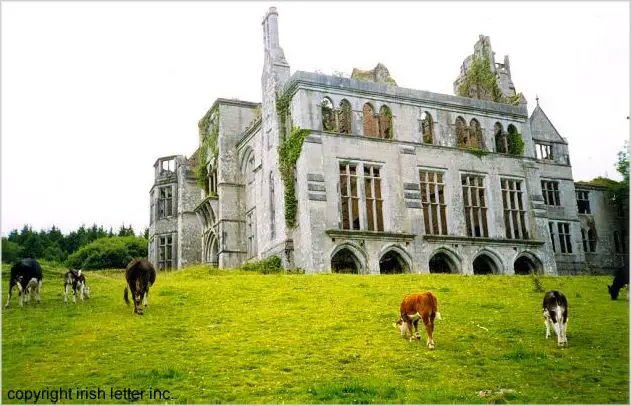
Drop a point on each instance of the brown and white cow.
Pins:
(555, 314)
(417, 306)
(140, 276)
(75, 280)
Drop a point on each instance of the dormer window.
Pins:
(544, 151)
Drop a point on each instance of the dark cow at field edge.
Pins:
(417, 306)
(555, 314)
(620, 280)
(75, 280)
(26, 274)
(140, 276)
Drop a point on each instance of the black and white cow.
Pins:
(140, 276)
(555, 314)
(75, 280)
(620, 280)
(26, 274)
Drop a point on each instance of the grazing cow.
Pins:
(27, 275)
(620, 280)
(555, 314)
(415, 307)
(140, 276)
(75, 280)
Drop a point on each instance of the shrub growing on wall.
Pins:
(115, 252)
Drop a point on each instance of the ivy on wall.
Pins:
(515, 143)
(208, 138)
(282, 109)
(480, 82)
(288, 152)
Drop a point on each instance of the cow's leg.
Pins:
(147, 297)
(546, 321)
(39, 287)
(418, 335)
(429, 327)
(74, 295)
(563, 329)
(81, 292)
(557, 330)
(65, 293)
(9, 298)
(20, 295)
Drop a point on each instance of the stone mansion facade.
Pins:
(388, 180)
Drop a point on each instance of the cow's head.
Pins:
(402, 326)
(613, 292)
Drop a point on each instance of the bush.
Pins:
(264, 266)
(11, 251)
(114, 252)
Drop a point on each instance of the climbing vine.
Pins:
(288, 153)
(480, 82)
(208, 138)
(477, 152)
(515, 143)
(282, 109)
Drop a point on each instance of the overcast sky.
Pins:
(94, 92)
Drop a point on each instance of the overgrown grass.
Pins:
(237, 337)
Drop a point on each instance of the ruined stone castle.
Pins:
(387, 179)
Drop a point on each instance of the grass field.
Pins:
(221, 337)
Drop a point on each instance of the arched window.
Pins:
(427, 128)
(249, 169)
(462, 133)
(328, 115)
(385, 122)
(272, 218)
(501, 144)
(475, 135)
(514, 141)
(345, 116)
(370, 121)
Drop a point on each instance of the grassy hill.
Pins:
(229, 337)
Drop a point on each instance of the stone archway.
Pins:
(483, 264)
(392, 262)
(441, 263)
(526, 263)
(345, 261)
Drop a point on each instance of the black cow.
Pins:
(140, 276)
(620, 279)
(555, 314)
(75, 280)
(27, 275)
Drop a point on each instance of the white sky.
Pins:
(94, 92)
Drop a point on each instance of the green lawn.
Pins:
(220, 337)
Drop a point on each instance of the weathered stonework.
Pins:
(365, 199)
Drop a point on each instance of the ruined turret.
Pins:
(483, 78)
(379, 74)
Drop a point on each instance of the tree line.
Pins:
(52, 245)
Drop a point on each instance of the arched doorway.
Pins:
(345, 261)
(441, 263)
(392, 262)
(525, 265)
(484, 265)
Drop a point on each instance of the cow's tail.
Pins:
(125, 296)
(435, 309)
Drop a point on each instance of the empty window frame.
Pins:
(354, 205)
(514, 209)
(565, 242)
(165, 202)
(550, 190)
(272, 208)
(427, 128)
(433, 202)
(475, 207)
(250, 228)
(212, 181)
(168, 165)
(551, 227)
(501, 141)
(582, 201)
(544, 151)
(589, 240)
(345, 117)
(165, 252)
(385, 122)
(328, 115)
(371, 121)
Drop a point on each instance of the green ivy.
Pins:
(208, 138)
(282, 108)
(515, 143)
(480, 76)
(477, 152)
(288, 152)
